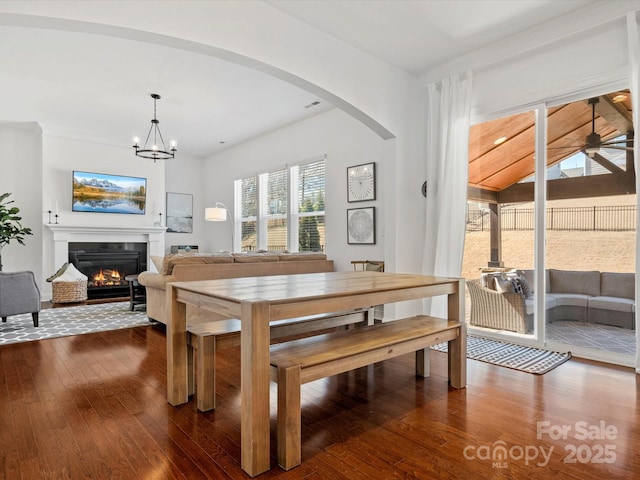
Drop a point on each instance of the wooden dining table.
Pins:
(257, 301)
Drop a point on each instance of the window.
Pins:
(270, 204)
(310, 206)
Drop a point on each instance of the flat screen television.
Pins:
(105, 193)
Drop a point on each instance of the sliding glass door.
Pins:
(591, 227)
(567, 213)
(499, 244)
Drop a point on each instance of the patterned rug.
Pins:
(61, 322)
(592, 335)
(526, 359)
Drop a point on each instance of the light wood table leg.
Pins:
(177, 363)
(458, 347)
(423, 362)
(255, 378)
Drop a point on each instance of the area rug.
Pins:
(526, 359)
(61, 322)
(593, 335)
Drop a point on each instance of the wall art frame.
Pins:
(361, 226)
(361, 182)
(179, 212)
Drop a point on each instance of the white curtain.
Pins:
(447, 157)
(634, 80)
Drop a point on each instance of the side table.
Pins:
(137, 293)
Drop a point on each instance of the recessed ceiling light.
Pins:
(500, 140)
(312, 104)
(620, 97)
(221, 142)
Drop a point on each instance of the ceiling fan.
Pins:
(593, 142)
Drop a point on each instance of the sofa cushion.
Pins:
(523, 285)
(529, 303)
(621, 285)
(301, 256)
(487, 280)
(193, 258)
(156, 263)
(612, 303)
(572, 281)
(530, 278)
(503, 284)
(254, 257)
(570, 299)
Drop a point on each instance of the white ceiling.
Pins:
(415, 35)
(99, 86)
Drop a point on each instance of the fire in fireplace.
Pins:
(106, 278)
(107, 267)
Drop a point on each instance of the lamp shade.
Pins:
(215, 214)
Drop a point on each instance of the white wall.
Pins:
(587, 60)
(184, 175)
(61, 156)
(345, 142)
(21, 175)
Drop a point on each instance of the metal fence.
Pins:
(603, 218)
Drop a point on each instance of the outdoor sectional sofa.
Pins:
(586, 296)
(210, 266)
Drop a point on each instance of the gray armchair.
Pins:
(19, 293)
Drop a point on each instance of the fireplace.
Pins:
(107, 264)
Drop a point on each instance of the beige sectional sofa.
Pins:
(586, 296)
(210, 266)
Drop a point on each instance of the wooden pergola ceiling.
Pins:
(495, 170)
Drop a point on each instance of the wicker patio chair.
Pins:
(502, 311)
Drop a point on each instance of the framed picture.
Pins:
(361, 182)
(179, 212)
(361, 226)
(106, 193)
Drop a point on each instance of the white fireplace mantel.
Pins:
(63, 234)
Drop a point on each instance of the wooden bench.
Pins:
(208, 337)
(301, 361)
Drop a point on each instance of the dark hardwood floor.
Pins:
(94, 406)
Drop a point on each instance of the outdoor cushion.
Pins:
(612, 303)
(617, 285)
(549, 303)
(503, 284)
(487, 279)
(530, 277)
(571, 281)
(570, 299)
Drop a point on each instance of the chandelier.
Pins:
(153, 149)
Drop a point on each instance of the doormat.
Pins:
(65, 321)
(525, 359)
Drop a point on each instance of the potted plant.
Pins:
(10, 226)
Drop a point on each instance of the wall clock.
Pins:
(361, 182)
